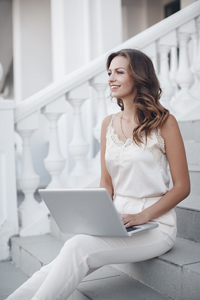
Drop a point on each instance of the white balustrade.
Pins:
(8, 197)
(173, 66)
(164, 44)
(193, 63)
(172, 76)
(195, 89)
(184, 101)
(32, 218)
(151, 51)
(78, 147)
(54, 162)
(100, 84)
(166, 84)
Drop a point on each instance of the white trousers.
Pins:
(81, 253)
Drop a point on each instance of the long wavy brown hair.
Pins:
(150, 113)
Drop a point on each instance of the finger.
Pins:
(128, 224)
(126, 221)
(123, 218)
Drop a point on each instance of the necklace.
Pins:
(121, 126)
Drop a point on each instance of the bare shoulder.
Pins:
(170, 126)
(169, 123)
(106, 121)
(104, 125)
(171, 134)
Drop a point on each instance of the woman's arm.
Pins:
(105, 181)
(180, 176)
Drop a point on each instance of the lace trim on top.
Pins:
(120, 150)
(117, 149)
(160, 140)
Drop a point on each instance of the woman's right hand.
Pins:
(134, 219)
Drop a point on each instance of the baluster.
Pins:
(33, 219)
(54, 162)
(164, 45)
(151, 51)
(100, 84)
(8, 197)
(172, 75)
(78, 147)
(184, 101)
(166, 84)
(173, 66)
(195, 89)
(194, 59)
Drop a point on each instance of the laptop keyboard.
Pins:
(131, 228)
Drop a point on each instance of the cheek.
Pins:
(130, 86)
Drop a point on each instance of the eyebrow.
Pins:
(117, 68)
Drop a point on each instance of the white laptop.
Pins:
(88, 211)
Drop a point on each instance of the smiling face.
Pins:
(120, 81)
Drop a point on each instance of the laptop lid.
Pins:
(87, 211)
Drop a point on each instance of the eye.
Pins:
(109, 73)
(120, 72)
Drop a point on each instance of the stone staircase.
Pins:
(174, 275)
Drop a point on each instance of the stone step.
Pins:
(175, 274)
(188, 219)
(190, 130)
(11, 277)
(30, 253)
(192, 149)
(194, 172)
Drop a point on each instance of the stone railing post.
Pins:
(172, 74)
(151, 51)
(100, 84)
(54, 162)
(195, 89)
(32, 218)
(8, 194)
(78, 147)
(167, 86)
(184, 78)
(173, 66)
(164, 44)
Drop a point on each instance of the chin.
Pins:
(115, 95)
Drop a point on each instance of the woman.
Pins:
(135, 146)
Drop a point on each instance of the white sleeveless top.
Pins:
(137, 171)
(140, 177)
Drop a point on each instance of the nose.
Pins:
(111, 78)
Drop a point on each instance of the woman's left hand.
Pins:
(134, 219)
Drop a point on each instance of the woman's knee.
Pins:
(79, 243)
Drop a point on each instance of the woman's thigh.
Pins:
(99, 251)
